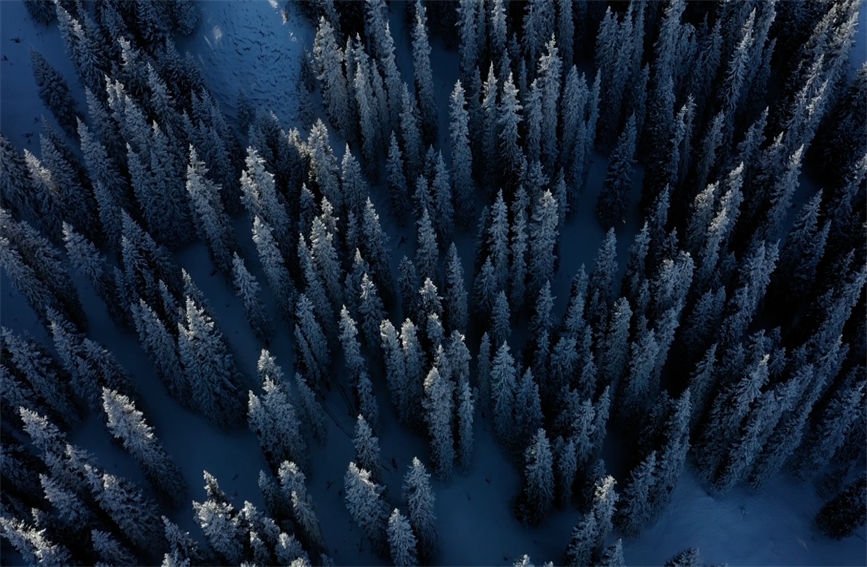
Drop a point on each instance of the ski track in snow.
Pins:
(251, 47)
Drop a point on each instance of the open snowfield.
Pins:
(255, 47)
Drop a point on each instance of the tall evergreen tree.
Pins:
(365, 504)
(420, 504)
(439, 415)
(211, 219)
(422, 71)
(459, 136)
(538, 489)
(272, 416)
(401, 540)
(127, 424)
(613, 200)
(209, 366)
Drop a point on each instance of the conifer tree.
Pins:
(310, 340)
(441, 189)
(543, 240)
(54, 92)
(39, 369)
(422, 71)
(208, 365)
(582, 541)
(274, 266)
(635, 505)
(397, 186)
(294, 488)
(439, 414)
(162, 347)
(420, 505)
(501, 328)
(465, 416)
(614, 353)
(219, 522)
(248, 289)
(272, 416)
(459, 136)
(503, 386)
(367, 453)
(366, 399)
(401, 540)
(127, 424)
(427, 254)
(211, 219)
(508, 118)
(841, 515)
(365, 504)
(613, 200)
(329, 60)
(538, 489)
(370, 309)
(35, 548)
(312, 415)
(410, 133)
(455, 293)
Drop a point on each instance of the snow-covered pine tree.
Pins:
(414, 362)
(54, 92)
(274, 266)
(427, 253)
(272, 416)
(537, 493)
(248, 289)
(220, 524)
(312, 414)
(293, 484)
(459, 136)
(635, 506)
(128, 507)
(401, 540)
(528, 409)
(543, 240)
(325, 259)
(438, 404)
(398, 190)
(503, 387)
(441, 190)
(208, 365)
(582, 541)
(420, 505)
(33, 545)
(311, 342)
(211, 219)
(613, 354)
(365, 504)
(370, 309)
(508, 119)
(127, 424)
(410, 133)
(366, 444)
(39, 369)
(614, 199)
(329, 60)
(422, 71)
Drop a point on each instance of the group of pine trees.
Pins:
(732, 337)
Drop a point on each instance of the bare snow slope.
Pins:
(251, 47)
(20, 105)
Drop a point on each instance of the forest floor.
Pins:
(256, 46)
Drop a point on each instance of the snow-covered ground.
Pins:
(255, 47)
(21, 108)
